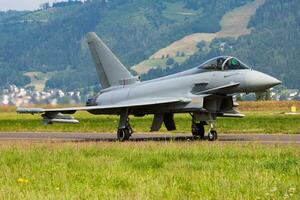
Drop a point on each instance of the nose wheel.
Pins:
(212, 133)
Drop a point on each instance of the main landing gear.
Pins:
(198, 129)
(125, 133)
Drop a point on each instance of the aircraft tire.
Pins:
(212, 135)
(123, 134)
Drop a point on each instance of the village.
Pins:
(15, 96)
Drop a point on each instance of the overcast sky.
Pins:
(21, 4)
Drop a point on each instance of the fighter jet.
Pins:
(206, 92)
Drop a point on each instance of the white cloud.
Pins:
(21, 4)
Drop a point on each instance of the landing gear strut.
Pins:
(125, 131)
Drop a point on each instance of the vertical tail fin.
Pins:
(111, 71)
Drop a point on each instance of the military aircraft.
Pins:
(206, 92)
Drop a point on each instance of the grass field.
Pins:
(152, 170)
(261, 117)
(168, 170)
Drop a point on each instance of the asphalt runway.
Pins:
(141, 137)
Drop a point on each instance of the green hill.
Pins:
(52, 40)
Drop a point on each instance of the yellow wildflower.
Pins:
(22, 180)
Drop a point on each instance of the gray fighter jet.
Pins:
(206, 92)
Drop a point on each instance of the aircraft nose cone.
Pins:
(271, 81)
(257, 81)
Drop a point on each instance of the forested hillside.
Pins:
(52, 40)
(272, 46)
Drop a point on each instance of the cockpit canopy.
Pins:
(223, 63)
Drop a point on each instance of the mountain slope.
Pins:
(52, 40)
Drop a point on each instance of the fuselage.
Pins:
(189, 83)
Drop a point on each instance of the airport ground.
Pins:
(163, 169)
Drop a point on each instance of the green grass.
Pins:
(155, 62)
(189, 170)
(254, 122)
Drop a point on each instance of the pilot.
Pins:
(220, 62)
